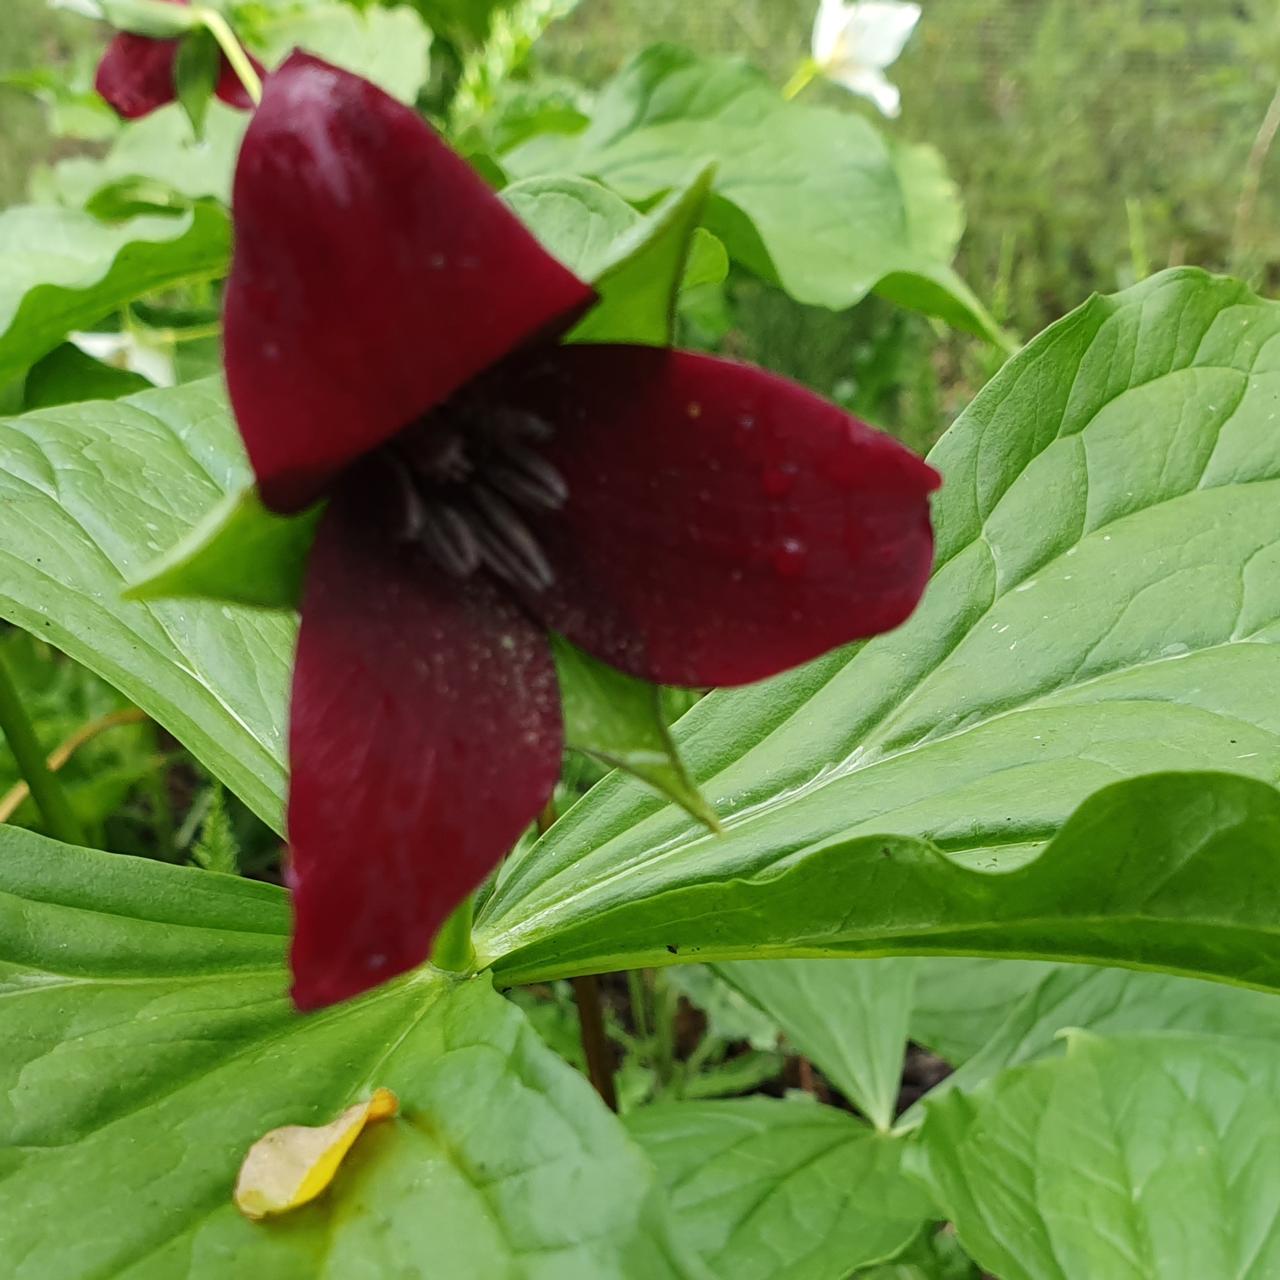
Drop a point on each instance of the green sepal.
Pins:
(618, 720)
(195, 75)
(240, 552)
(641, 280)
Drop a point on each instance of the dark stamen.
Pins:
(450, 538)
(529, 479)
(510, 549)
(467, 477)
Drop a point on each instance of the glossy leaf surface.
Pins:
(872, 215)
(1127, 1158)
(771, 1190)
(62, 270)
(1104, 607)
(149, 1044)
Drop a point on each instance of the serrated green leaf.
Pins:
(1106, 605)
(88, 495)
(152, 1045)
(618, 719)
(1125, 1159)
(240, 552)
(850, 1017)
(872, 214)
(769, 1190)
(217, 849)
(195, 76)
(61, 269)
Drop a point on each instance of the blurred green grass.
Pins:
(31, 35)
(1092, 142)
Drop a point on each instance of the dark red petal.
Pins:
(374, 274)
(135, 75)
(229, 88)
(723, 524)
(425, 736)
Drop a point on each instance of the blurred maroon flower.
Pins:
(136, 75)
(391, 337)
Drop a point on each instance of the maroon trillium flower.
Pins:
(136, 75)
(391, 333)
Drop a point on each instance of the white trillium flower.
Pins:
(854, 42)
(126, 351)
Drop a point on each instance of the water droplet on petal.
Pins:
(789, 557)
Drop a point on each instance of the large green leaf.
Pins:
(1126, 1159)
(148, 1043)
(872, 214)
(636, 263)
(1174, 871)
(960, 1003)
(1113, 1002)
(389, 46)
(768, 1190)
(1105, 605)
(849, 1016)
(89, 493)
(618, 720)
(160, 155)
(61, 270)
(240, 552)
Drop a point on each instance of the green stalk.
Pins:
(234, 52)
(453, 948)
(639, 998)
(59, 818)
(802, 75)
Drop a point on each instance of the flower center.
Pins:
(469, 478)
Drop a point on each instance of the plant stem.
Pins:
(59, 818)
(1252, 179)
(234, 52)
(802, 75)
(586, 994)
(666, 1004)
(65, 750)
(453, 950)
(639, 997)
(162, 822)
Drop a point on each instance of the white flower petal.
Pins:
(124, 351)
(876, 32)
(828, 29)
(101, 346)
(155, 364)
(870, 83)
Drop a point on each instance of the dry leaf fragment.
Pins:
(290, 1166)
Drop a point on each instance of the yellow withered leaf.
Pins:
(287, 1167)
